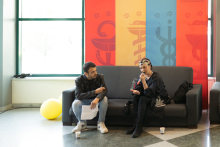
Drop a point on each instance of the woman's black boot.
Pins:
(131, 130)
(141, 112)
(137, 132)
(135, 110)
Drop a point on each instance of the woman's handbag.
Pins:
(127, 108)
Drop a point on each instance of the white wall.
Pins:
(7, 50)
(37, 90)
(9, 47)
(1, 54)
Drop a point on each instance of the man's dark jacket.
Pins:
(85, 89)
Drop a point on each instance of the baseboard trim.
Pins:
(26, 105)
(5, 108)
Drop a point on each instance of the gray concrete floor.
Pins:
(25, 127)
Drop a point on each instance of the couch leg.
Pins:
(67, 124)
(192, 127)
(214, 122)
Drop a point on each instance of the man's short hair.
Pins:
(88, 65)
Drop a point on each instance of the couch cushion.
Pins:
(128, 73)
(118, 78)
(175, 110)
(112, 76)
(173, 76)
(115, 106)
(172, 110)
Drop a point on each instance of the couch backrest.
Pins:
(119, 78)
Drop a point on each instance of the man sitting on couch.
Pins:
(90, 90)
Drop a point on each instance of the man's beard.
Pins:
(92, 77)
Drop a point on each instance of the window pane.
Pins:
(51, 47)
(50, 9)
(209, 47)
(209, 8)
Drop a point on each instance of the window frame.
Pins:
(19, 52)
(211, 19)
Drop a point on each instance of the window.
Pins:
(210, 39)
(50, 37)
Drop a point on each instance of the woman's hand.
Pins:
(142, 77)
(136, 92)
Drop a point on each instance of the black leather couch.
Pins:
(118, 80)
(214, 114)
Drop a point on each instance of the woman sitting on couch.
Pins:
(149, 86)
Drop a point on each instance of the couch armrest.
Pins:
(214, 103)
(68, 98)
(194, 105)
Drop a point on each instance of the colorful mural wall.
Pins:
(168, 32)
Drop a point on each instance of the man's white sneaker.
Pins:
(101, 127)
(80, 126)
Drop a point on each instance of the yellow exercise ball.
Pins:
(51, 108)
